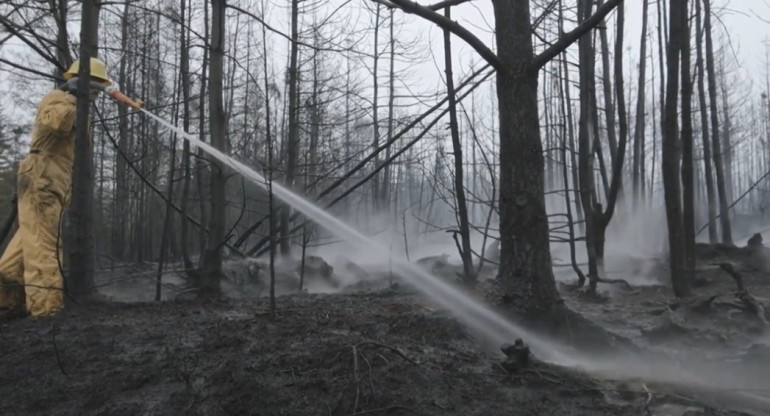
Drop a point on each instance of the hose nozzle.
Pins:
(120, 97)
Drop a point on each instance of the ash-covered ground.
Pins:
(370, 345)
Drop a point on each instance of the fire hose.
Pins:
(70, 86)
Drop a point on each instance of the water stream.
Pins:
(491, 325)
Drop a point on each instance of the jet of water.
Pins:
(480, 318)
(490, 324)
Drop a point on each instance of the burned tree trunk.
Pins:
(121, 170)
(571, 131)
(707, 157)
(586, 145)
(457, 148)
(82, 260)
(617, 166)
(200, 167)
(671, 154)
(292, 147)
(609, 108)
(525, 268)
(376, 200)
(184, 68)
(212, 257)
(597, 217)
(386, 183)
(59, 11)
(688, 186)
(724, 210)
(638, 162)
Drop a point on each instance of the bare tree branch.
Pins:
(152, 186)
(543, 15)
(287, 37)
(570, 37)
(11, 28)
(446, 3)
(426, 13)
(30, 70)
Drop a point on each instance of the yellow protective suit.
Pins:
(30, 271)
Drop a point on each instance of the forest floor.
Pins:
(375, 350)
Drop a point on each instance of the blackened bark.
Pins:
(727, 146)
(272, 229)
(377, 201)
(167, 233)
(386, 174)
(457, 148)
(597, 217)
(571, 131)
(315, 133)
(184, 68)
(525, 269)
(567, 132)
(586, 143)
(212, 258)
(617, 166)
(59, 11)
(724, 210)
(292, 146)
(82, 260)
(707, 156)
(200, 166)
(121, 170)
(671, 155)
(662, 38)
(638, 163)
(688, 185)
(609, 108)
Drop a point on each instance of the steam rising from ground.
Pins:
(709, 378)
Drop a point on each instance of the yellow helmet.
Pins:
(98, 71)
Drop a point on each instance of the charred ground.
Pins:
(379, 350)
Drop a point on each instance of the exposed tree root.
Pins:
(729, 268)
(753, 306)
(343, 404)
(748, 302)
(615, 281)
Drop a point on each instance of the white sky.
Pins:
(744, 20)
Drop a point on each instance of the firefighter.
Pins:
(31, 281)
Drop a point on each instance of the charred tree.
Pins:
(82, 260)
(671, 153)
(688, 185)
(462, 208)
(121, 171)
(200, 166)
(59, 11)
(386, 174)
(184, 68)
(292, 147)
(724, 210)
(597, 217)
(571, 131)
(525, 272)
(272, 229)
(377, 199)
(704, 112)
(211, 275)
(586, 144)
(609, 107)
(641, 121)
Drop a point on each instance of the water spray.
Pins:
(491, 325)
